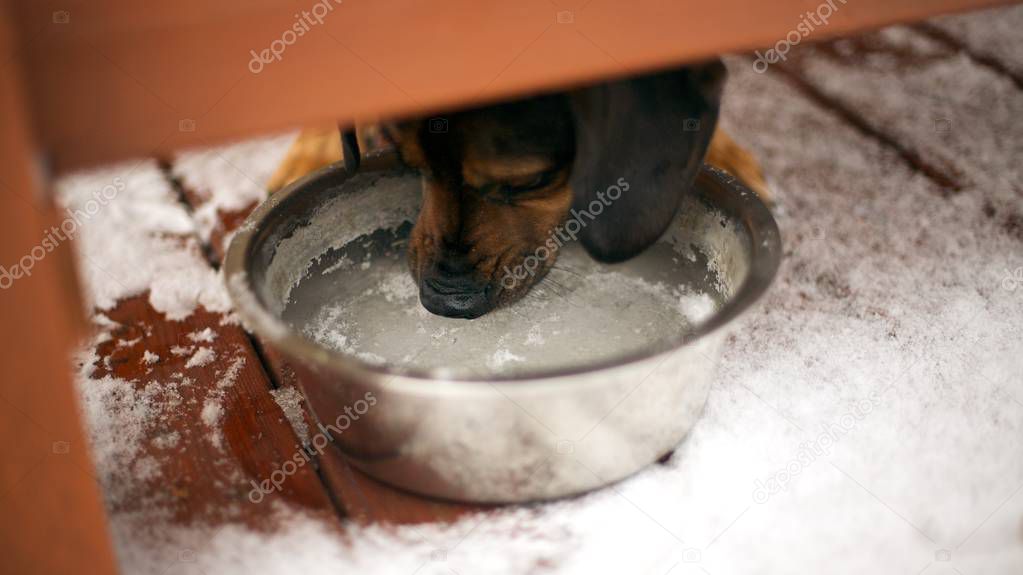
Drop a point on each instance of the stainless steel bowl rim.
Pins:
(765, 258)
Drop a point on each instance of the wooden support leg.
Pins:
(53, 519)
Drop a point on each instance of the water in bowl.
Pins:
(361, 300)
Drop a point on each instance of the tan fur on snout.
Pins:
(498, 236)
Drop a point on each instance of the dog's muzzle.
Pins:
(451, 290)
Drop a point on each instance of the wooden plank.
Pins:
(221, 185)
(202, 473)
(873, 247)
(150, 79)
(54, 520)
(938, 106)
(991, 37)
(183, 425)
(208, 186)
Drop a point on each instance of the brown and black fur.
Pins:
(495, 186)
(499, 180)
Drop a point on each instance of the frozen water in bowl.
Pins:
(354, 294)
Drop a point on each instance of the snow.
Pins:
(290, 400)
(946, 108)
(229, 178)
(134, 236)
(212, 413)
(213, 408)
(119, 416)
(991, 33)
(203, 336)
(201, 357)
(181, 350)
(502, 357)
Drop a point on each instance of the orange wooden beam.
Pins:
(116, 78)
(53, 519)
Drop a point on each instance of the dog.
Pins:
(499, 180)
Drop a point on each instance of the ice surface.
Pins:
(580, 313)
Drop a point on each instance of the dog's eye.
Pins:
(536, 182)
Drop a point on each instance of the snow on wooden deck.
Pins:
(175, 398)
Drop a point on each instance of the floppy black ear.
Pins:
(647, 136)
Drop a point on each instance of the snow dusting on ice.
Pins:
(588, 313)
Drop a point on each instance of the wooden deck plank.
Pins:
(991, 36)
(222, 185)
(932, 102)
(208, 468)
(872, 245)
(216, 177)
(178, 402)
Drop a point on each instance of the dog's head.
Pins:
(501, 180)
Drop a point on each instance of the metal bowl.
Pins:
(506, 437)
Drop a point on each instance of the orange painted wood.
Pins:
(116, 78)
(53, 519)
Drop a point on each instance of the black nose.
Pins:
(454, 295)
